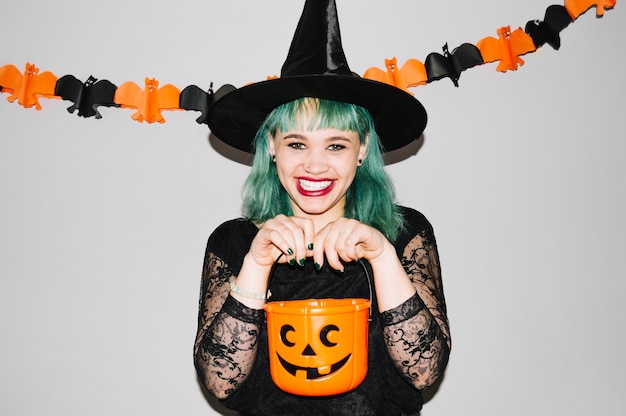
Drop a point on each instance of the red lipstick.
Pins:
(314, 187)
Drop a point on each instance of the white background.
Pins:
(103, 223)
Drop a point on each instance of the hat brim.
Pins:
(399, 117)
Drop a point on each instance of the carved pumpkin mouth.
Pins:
(311, 373)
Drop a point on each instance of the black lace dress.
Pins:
(402, 341)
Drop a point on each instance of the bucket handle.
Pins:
(367, 275)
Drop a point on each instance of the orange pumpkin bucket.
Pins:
(318, 347)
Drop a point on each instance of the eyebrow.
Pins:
(304, 137)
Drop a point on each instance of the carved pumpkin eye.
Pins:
(283, 335)
(324, 335)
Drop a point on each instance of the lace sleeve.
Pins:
(416, 332)
(226, 341)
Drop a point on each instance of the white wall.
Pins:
(103, 223)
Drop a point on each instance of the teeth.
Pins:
(314, 185)
(325, 370)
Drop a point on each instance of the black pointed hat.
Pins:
(316, 67)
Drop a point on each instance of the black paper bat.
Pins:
(452, 64)
(548, 31)
(194, 98)
(86, 96)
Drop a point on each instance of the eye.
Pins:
(324, 335)
(283, 335)
(336, 147)
(297, 145)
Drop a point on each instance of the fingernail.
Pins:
(302, 261)
(289, 251)
(292, 262)
(317, 266)
(310, 246)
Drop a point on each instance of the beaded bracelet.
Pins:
(250, 295)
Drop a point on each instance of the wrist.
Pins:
(250, 286)
(386, 253)
(247, 294)
(261, 264)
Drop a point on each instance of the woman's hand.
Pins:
(291, 236)
(348, 240)
(288, 239)
(295, 237)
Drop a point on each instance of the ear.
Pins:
(363, 149)
(271, 145)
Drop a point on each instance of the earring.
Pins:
(360, 162)
(273, 158)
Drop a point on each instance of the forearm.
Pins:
(391, 282)
(416, 342)
(228, 348)
(415, 338)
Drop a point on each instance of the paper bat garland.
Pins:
(411, 74)
(452, 64)
(89, 95)
(194, 98)
(28, 87)
(507, 48)
(86, 96)
(549, 30)
(578, 7)
(148, 101)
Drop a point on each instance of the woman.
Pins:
(317, 201)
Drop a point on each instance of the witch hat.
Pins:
(316, 66)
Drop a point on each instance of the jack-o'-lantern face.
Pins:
(334, 352)
(312, 353)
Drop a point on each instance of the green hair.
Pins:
(371, 196)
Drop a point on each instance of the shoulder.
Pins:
(236, 225)
(231, 239)
(233, 230)
(415, 223)
(413, 219)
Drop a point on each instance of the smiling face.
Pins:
(316, 168)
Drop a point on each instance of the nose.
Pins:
(308, 351)
(315, 163)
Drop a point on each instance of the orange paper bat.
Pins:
(577, 7)
(507, 48)
(26, 88)
(412, 74)
(149, 101)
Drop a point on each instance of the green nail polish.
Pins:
(292, 262)
(310, 246)
(302, 261)
(289, 251)
(317, 266)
